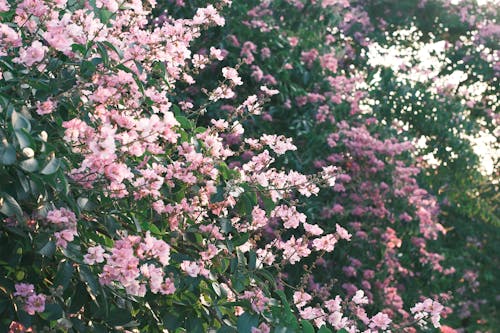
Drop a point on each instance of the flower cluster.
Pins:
(33, 302)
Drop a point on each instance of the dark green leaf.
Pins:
(119, 317)
(48, 249)
(307, 327)
(23, 138)
(88, 277)
(51, 167)
(246, 321)
(9, 206)
(64, 274)
(20, 122)
(29, 165)
(324, 329)
(7, 154)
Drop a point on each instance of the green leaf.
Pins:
(103, 52)
(53, 311)
(185, 123)
(23, 138)
(119, 317)
(87, 69)
(252, 260)
(219, 195)
(194, 325)
(114, 48)
(51, 167)
(9, 206)
(324, 329)
(48, 249)
(20, 122)
(64, 274)
(88, 277)
(29, 165)
(307, 327)
(85, 204)
(246, 321)
(79, 48)
(7, 154)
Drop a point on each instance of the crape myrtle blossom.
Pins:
(33, 302)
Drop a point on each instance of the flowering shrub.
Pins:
(150, 182)
(346, 110)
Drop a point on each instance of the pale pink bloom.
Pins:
(257, 298)
(300, 299)
(265, 53)
(31, 55)
(9, 36)
(61, 216)
(294, 250)
(64, 236)
(95, 254)
(289, 215)
(269, 92)
(337, 320)
(294, 41)
(315, 314)
(326, 3)
(312, 229)
(329, 61)
(168, 287)
(24, 289)
(4, 6)
(209, 253)
(360, 298)
(342, 233)
(325, 243)
(263, 328)
(333, 305)
(191, 268)
(265, 256)
(46, 107)
(216, 53)
(208, 15)
(35, 303)
(232, 74)
(380, 320)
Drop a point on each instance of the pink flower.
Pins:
(46, 107)
(232, 74)
(4, 6)
(294, 41)
(325, 243)
(32, 54)
(300, 299)
(312, 229)
(342, 233)
(61, 216)
(95, 254)
(263, 328)
(360, 297)
(380, 320)
(24, 289)
(329, 62)
(65, 236)
(191, 268)
(35, 303)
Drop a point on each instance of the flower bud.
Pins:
(28, 152)
(44, 136)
